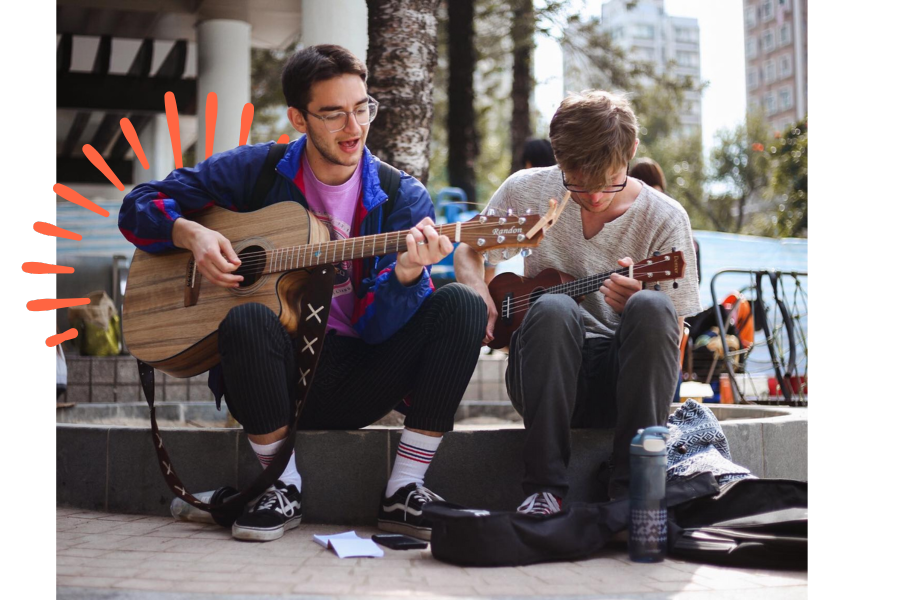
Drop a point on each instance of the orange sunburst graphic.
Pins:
(128, 130)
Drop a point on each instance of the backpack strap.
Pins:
(266, 178)
(389, 178)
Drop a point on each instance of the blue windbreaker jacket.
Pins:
(383, 304)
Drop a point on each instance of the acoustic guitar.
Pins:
(513, 294)
(171, 313)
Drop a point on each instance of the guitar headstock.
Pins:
(662, 266)
(484, 232)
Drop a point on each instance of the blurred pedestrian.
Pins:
(538, 153)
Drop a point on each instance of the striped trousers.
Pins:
(429, 361)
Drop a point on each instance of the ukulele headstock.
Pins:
(490, 232)
(662, 266)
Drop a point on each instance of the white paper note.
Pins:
(349, 544)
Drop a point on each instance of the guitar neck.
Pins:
(336, 251)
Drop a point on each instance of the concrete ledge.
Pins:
(113, 468)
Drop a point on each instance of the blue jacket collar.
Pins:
(373, 195)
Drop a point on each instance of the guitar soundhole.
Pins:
(253, 262)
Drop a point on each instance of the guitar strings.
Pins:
(591, 283)
(578, 287)
(292, 253)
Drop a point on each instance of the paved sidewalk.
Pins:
(132, 557)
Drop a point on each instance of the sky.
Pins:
(721, 62)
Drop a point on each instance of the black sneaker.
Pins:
(542, 503)
(402, 512)
(276, 511)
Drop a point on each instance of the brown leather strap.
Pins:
(314, 305)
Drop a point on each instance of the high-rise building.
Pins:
(775, 51)
(646, 33)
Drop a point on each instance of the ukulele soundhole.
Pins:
(253, 263)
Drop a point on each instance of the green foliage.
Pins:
(269, 108)
(789, 179)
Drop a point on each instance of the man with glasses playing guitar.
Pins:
(390, 335)
(610, 360)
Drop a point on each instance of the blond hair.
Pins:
(593, 134)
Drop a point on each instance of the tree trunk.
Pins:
(401, 58)
(462, 144)
(523, 46)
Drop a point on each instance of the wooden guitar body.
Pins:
(171, 314)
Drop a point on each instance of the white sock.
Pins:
(414, 454)
(266, 452)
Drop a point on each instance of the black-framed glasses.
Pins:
(607, 190)
(336, 121)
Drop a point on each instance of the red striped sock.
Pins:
(414, 454)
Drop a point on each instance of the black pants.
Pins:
(559, 379)
(431, 359)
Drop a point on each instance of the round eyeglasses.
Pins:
(338, 120)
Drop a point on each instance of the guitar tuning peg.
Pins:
(656, 253)
(491, 212)
(656, 287)
(526, 252)
(509, 212)
(674, 285)
(528, 212)
(674, 249)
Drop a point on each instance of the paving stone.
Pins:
(128, 393)
(81, 466)
(79, 394)
(176, 391)
(103, 393)
(103, 370)
(127, 370)
(78, 370)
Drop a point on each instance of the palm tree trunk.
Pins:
(401, 58)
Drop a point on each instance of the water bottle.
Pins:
(184, 511)
(647, 494)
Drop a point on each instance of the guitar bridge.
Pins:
(191, 284)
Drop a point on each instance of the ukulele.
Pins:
(513, 295)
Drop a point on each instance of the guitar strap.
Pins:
(315, 303)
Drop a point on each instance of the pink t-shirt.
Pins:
(335, 205)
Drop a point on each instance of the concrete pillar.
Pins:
(223, 67)
(341, 22)
(157, 148)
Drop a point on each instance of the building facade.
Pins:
(775, 51)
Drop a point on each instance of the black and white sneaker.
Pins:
(542, 503)
(275, 512)
(402, 512)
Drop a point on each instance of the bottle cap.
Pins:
(650, 441)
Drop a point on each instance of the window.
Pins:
(769, 69)
(752, 81)
(750, 17)
(785, 37)
(644, 32)
(768, 10)
(785, 98)
(769, 102)
(686, 35)
(687, 59)
(751, 47)
(768, 40)
(785, 68)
